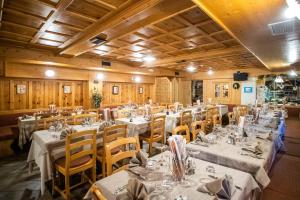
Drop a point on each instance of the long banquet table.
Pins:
(39, 153)
(248, 188)
(231, 155)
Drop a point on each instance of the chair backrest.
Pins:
(157, 109)
(231, 117)
(97, 194)
(171, 107)
(112, 133)
(42, 124)
(200, 115)
(158, 126)
(94, 111)
(182, 130)
(111, 159)
(217, 119)
(186, 118)
(197, 127)
(81, 144)
(209, 113)
(78, 119)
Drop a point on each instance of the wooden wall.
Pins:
(209, 91)
(40, 93)
(170, 90)
(127, 92)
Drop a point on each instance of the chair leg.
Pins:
(103, 168)
(141, 144)
(94, 173)
(67, 187)
(150, 148)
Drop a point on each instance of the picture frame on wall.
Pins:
(141, 90)
(21, 89)
(67, 89)
(115, 90)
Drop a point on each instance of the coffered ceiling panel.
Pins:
(176, 33)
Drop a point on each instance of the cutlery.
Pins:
(120, 189)
(137, 174)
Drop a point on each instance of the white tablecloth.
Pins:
(26, 127)
(139, 125)
(250, 189)
(230, 155)
(38, 152)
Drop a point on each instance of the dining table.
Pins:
(42, 141)
(240, 155)
(114, 186)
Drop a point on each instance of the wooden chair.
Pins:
(112, 159)
(78, 119)
(217, 119)
(231, 117)
(110, 134)
(157, 109)
(78, 159)
(200, 115)
(182, 130)
(198, 126)
(171, 107)
(97, 194)
(43, 124)
(186, 118)
(156, 133)
(94, 111)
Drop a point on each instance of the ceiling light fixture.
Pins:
(293, 73)
(293, 8)
(149, 58)
(278, 79)
(191, 68)
(49, 73)
(210, 71)
(137, 79)
(99, 76)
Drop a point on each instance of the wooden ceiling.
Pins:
(248, 21)
(177, 34)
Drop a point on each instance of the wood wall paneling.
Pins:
(127, 92)
(39, 94)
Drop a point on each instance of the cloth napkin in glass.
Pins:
(136, 190)
(221, 187)
(202, 137)
(139, 160)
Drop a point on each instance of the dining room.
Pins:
(149, 99)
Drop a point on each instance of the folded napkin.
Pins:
(202, 137)
(65, 132)
(139, 160)
(136, 190)
(258, 149)
(103, 125)
(221, 187)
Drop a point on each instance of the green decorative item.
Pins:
(97, 98)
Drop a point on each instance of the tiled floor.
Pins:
(17, 184)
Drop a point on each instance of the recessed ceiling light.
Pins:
(294, 8)
(99, 76)
(210, 71)
(137, 79)
(191, 68)
(149, 58)
(49, 73)
(293, 73)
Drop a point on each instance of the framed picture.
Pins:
(67, 89)
(141, 90)
(247, 89)
(115, 90)
(21, 89)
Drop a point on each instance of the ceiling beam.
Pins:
(62, 5)
(104, 3)
(94, 30)
(196, 56)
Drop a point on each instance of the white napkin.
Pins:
(221, 187)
